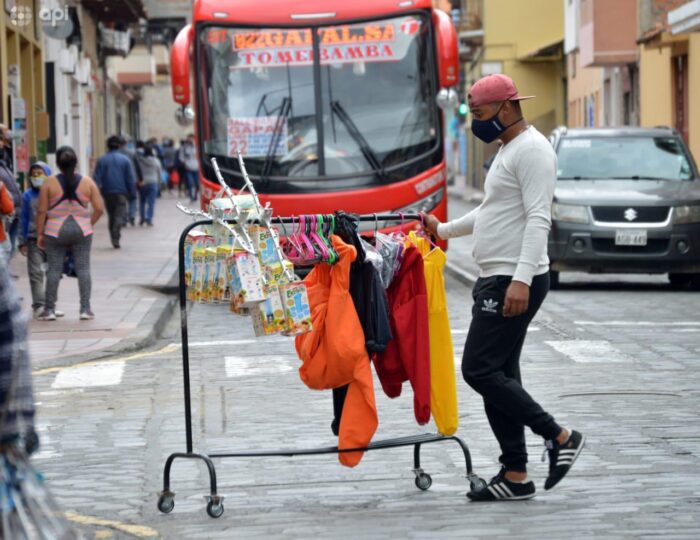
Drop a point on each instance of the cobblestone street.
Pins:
(618, 362)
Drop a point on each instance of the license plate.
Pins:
(630, 238)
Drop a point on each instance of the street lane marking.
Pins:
(245, 366)
(139, 531)
(589, 351)
(636, 323)
(219, 343)
(137, 356)
(104, 374)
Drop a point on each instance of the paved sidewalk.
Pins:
(128, 293)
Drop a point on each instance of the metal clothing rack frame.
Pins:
(215, 507)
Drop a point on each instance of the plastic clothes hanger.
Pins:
(317, 240)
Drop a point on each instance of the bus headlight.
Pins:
(686, 214)
(426, 204)
(569, 213)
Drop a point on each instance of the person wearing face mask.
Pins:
(36, 257)
(510, 231)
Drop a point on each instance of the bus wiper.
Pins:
(355, 133)
(285, 108)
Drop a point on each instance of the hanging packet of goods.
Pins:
(265, 244)
(194, 238)
(297, 308)
(194, 292)
(210, 257)
(268, 316)
(246, 279)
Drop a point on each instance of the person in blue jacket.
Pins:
(116, 178)
(36, 258)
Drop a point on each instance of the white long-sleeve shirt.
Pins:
(512, 224)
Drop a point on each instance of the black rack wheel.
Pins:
(215, 507)
(166, 502)
(423, 481)
(476, 483)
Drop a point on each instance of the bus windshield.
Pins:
(359, 108)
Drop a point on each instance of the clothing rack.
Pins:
(215, 507)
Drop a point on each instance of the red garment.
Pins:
(6, 208)
(407, 357)
(334, 353)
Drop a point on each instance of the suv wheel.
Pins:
(553, 280)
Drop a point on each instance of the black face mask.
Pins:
(490, 129)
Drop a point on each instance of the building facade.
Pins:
(669, 51)
(602, 63)
(23, 106)
(523, 40)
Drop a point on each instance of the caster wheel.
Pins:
(215, 510)
(477, 484)
(424, 481)
(166, 503)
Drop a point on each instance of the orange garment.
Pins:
(334, 353)
(6, 208)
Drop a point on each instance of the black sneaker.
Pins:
(562, 457)
(502, 489)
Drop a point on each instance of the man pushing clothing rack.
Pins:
(510, 231)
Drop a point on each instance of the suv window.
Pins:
(655, 158)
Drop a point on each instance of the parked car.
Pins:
(627, 201)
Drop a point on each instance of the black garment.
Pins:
(69, 186)
(117, 206)
(372, 308)
(491, 366)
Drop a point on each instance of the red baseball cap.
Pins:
(492, 89)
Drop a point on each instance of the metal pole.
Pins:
(183, 331)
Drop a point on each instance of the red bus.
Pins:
(333, 104)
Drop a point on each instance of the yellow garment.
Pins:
(443, 383)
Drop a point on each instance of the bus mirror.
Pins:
(447, 99)
(184, 115)
(180, 65)
(448, 56)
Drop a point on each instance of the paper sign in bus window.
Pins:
(253, 136)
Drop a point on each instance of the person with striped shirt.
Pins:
(69, 206)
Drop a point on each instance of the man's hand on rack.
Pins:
(430, 224)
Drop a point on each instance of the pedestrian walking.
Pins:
(148, 186)
(190, 161)
(169, 157)
(181, 171)
(7, 177)
(65, 221)
(133, 154)
(115, 176)
(510, 231)
(36, 257)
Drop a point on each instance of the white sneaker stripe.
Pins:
(501, 491)
(494, 492)
(507, 490)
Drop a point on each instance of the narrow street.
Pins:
(618, 362)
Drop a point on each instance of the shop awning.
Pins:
(115, 11)
(547, 53)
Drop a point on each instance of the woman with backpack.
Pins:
(65, 221)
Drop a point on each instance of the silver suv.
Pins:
(627, 200)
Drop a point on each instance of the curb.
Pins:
(152, 326)
(463, 276)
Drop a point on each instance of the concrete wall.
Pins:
(158, 113)
(583, 82)
(655, 100)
